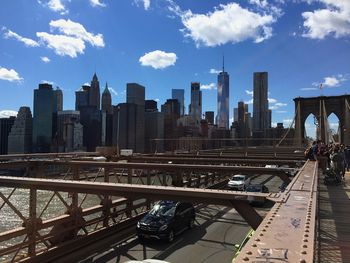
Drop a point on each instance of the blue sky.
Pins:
(165, 44)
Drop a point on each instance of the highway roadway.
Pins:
(217, 230)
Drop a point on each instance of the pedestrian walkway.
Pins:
(333, 243)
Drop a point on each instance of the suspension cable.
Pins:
(290, 126)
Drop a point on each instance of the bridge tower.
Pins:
(321, 107)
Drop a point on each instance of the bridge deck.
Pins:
(334, 220)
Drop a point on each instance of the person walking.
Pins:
(347, 157)
(337, 163)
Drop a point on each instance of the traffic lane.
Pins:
(217, 230)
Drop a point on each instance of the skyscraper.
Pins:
(82, 97)
(171, 111)
(196, 103)
(5, 128)
(44, 121)
(260, 102)
(94, 94)
(243, 122)
(154, 130)
(223, 115)
(209, 116)
(20, 137)
(65, 127)
(59, 99)
(179, 94)
(106, 100)
(129, 118)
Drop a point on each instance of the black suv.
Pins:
(165, 220)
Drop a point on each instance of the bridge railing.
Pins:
(43, 219)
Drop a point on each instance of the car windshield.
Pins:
(254, 188)
(163, 210)
(237, 178)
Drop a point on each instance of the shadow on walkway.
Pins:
(334, 222)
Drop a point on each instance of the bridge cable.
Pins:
(290, 126)
(328, 128)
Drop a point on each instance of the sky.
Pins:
(166, 44)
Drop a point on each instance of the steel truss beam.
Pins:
(209, 196)
(287, 233)
(205, 160)
(157, 166)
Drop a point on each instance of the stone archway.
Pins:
(322, 107)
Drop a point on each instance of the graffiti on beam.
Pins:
(295, 222)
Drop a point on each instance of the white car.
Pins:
(238, 182)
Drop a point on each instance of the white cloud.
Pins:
(214, 71)
(45, 59)
(63, 45)
(27, 41)
(72, 42)
(331, 82)
(226, 24)
(251, 101)
(334, 20)
(275, 105)
(115, 93)
(287, 122)
(8, 113)
(158, 59)
(259, 3)
(157, 100)
(47, 82)
(281, 111)
(96, 3)
(9, 74)
(280, 104)
(146, 3)
(271, 100)
(57, 6)
(70, 28)
(210, 86)
(249, 92)
(307, 89)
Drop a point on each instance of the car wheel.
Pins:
(171, 236)
(191, 223)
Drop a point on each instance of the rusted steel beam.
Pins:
(270, 156)
(153, 166)
(133, 191)
(205, 160)
(248, 213)
(287, 233)
(47, 155)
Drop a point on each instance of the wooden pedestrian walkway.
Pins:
(333, 242)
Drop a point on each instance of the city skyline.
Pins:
(126, 51)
